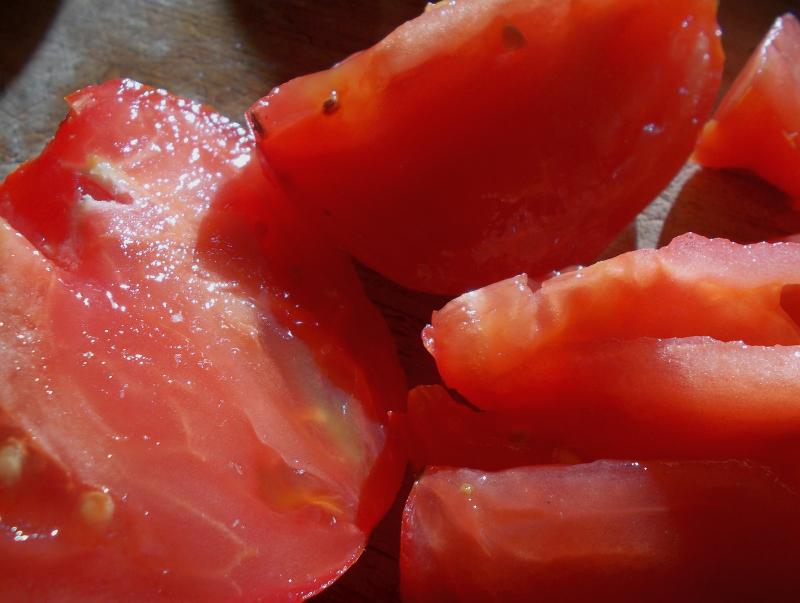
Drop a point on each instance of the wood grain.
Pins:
(227, 53)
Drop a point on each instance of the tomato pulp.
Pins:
(691, 351)
(757, 126)
(607, 531)
(490, 137)
(194, 388)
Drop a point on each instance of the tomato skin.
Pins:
(606, 531)
(490, 137)
(690, 351)
(757, 126)
(197, 382)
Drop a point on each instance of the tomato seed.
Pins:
(331, 104)
(513, 37)
(12, 455)
(97, 507)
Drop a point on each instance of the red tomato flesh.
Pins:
(607, 531)
(442, 431)
(757, 126)
(690, 351)
(193, 386)
(489, 137)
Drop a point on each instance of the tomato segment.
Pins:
(607, 531)
(757, 126)
(690, 351)
(443, 432)
(193, 386)
(489, 137)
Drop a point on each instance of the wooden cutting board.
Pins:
(227, 53)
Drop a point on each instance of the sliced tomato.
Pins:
(490, 137)
(443, 431)
(757, 126)
(193, 386)
(690, 351)
(607, 531)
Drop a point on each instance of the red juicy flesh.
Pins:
(490, 137)
(608, 531)
(757, 126)
(443, 432)
(690, 351)
(171, 334)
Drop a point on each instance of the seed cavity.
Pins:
(96, 508)
(12, 458)
(331, 104)
(513, 39)
(287, 490)
(111, 177)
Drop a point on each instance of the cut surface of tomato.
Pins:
(606, 531)
(491, 137)
(442, 431)
(757, 126)
(193, 386)
(689, 351)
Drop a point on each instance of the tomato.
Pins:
(757, 126)
(194, 388)
(607, 531)
(442, 431)
(690, 351)
(490, 137)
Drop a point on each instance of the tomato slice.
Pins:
(607, 531)
(690, 351)
(489, 137)
(757, 126)
(443, 431)
(194, 388)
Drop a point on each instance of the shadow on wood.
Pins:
(625, 241)
(733, 205)
(307, 36)
(407, 312)
(23, 25)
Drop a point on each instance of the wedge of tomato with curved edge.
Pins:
(689, 351)
(193, 387)
(757, 126)
(606, 531)
(490, 137)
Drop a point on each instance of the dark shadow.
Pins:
(23, 24)
(406, 313)
(625, 241)
(748, 22)
(302, 37)
(730, 204)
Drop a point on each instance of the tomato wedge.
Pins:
(607, 531)
(757, 126)
(194, 388)
(690, 351)
(489, 137)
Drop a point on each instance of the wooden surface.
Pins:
(227, 53)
